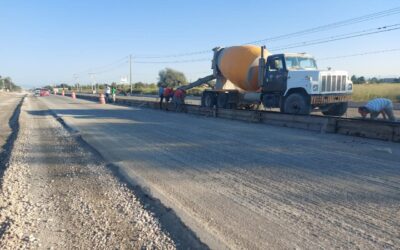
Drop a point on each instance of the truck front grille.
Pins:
(333, 83)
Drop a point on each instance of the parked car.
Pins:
(36, 92)
(44, 92)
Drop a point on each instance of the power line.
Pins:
(339, 37)
(346, 22)
(360, 54)
(109, 69)
(367, 32)
(104, 66)
(175, 55)
(176, 61)
(351, 21)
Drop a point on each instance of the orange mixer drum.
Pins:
(239, 64)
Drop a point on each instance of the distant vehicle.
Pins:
(44, 92)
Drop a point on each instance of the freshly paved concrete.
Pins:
(251, 186)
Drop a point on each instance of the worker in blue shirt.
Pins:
(161, 94)
(378, 106)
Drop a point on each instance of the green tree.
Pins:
(354, 79)
(358, 80)
(49, 87)
(152, 85)
(171, 78)
(361, 80)
(139, 85)
(373, 80)
(7, 83)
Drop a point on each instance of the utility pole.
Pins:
(130, 72)
(92, 77)
(76, 81)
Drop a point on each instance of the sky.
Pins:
(68, 41)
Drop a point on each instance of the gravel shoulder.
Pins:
(9, 112)
(58, 195)
(8, 104)
(251, 186)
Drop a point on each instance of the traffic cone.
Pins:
(73, 95)
(102, 100)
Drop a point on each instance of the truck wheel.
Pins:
(222, 100)
(296, 104)
(337, 109)
(209, 100)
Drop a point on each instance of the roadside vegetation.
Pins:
(6, 84)
(367, 91)
(167, 77)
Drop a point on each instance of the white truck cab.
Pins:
(293, 83)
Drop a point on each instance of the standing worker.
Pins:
(378, 106)
(168, 93)
(108, 92)
(161, 94)
(179, 100)
(113, 92)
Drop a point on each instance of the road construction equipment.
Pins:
(248, 75)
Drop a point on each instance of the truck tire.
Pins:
(222, 100)
(208, 100)
(296, 104)
(337, 109)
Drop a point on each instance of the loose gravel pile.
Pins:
(57, 195)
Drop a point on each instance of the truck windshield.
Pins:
(297, 62)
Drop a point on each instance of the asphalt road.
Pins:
(250, 186)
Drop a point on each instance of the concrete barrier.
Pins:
(369, 129)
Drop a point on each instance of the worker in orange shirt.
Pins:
(179, 100)
(168, 93)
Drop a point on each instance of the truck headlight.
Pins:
(315, 87)
(350, 87)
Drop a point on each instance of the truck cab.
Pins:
(293, 83)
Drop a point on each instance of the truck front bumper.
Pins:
(331, 98)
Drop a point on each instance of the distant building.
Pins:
(390, 80)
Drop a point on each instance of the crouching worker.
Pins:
(179, 100)
(378, 106)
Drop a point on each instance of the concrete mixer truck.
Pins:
(247, 76)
